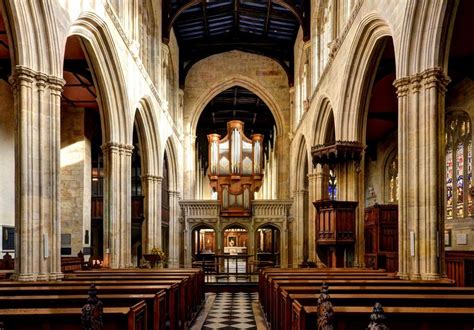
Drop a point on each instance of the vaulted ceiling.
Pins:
(207, 27)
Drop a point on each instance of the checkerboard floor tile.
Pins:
(232, 311)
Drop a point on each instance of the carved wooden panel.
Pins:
(381, 237)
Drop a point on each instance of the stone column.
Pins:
(300, 233)
(187, 241)
(190, 189)
(37, 107)
(56, 88)
(312, 180)
(421, 149)
(151, 231)
(117, 204)
(173, 260)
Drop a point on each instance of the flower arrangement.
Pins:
(159, 252)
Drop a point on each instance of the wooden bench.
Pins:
(156, 303)
(289, 299)
(176, 313)
(59, 318)
(404, 318)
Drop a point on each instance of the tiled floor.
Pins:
(232, 311)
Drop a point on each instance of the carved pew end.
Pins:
(377, 318)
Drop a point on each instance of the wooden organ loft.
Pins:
(235, 168)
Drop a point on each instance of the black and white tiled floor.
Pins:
(232, 311)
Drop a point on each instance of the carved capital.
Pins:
(415, 82)
(402, 86)
(435, 77)
(117, 147)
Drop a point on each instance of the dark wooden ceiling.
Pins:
(266, 27)
(79, 90)
(233, 103)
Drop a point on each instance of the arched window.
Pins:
(458, 165)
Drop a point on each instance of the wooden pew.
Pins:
(190, 292)
(156, 303)
(403, 318)
(176, 315)
(196, 276)
(115, 318)
(277, 303)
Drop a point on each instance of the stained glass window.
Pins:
(449, 183)
(459, 203)
(332, 187)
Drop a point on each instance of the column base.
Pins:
(42, 277)
(25, 277)
(56, 276)
(415, 277)
(431, 277)
(403, 276)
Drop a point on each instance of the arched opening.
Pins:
(7, 150)
(165, 207)
(267, 242)
(204, 243)
(459, 115)
(137, 200)
(236, 103)
(235, 241)
(82, 162)
(301, 253)
(381, 162)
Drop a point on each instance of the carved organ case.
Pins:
(235, 168)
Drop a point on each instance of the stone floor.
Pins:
(226, 310)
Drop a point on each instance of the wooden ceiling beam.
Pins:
(172, 17)
(236, 17)
(267, 18)
(290, 5)
(204, 17)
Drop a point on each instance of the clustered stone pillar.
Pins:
(300, 244)
(117, 210)
(421, 150)
(37, 160)
(173, 260)
(312, 181)
(152, 209)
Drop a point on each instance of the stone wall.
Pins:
(75, 179)
(7, 158)
(212, 75)
(376, 182)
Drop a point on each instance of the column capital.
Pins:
(23, 73)
(174, 193)
(429, 78)
(402, 86)
(435, 77)
(117, 147)
(152, 177)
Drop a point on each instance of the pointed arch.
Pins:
(367, 46)
(236, 224)
(173, 163)
(322, 121)
(302, 163)
(148, 135)
(241, 81)
(108, 77)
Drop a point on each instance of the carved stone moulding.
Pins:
(338, 152)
